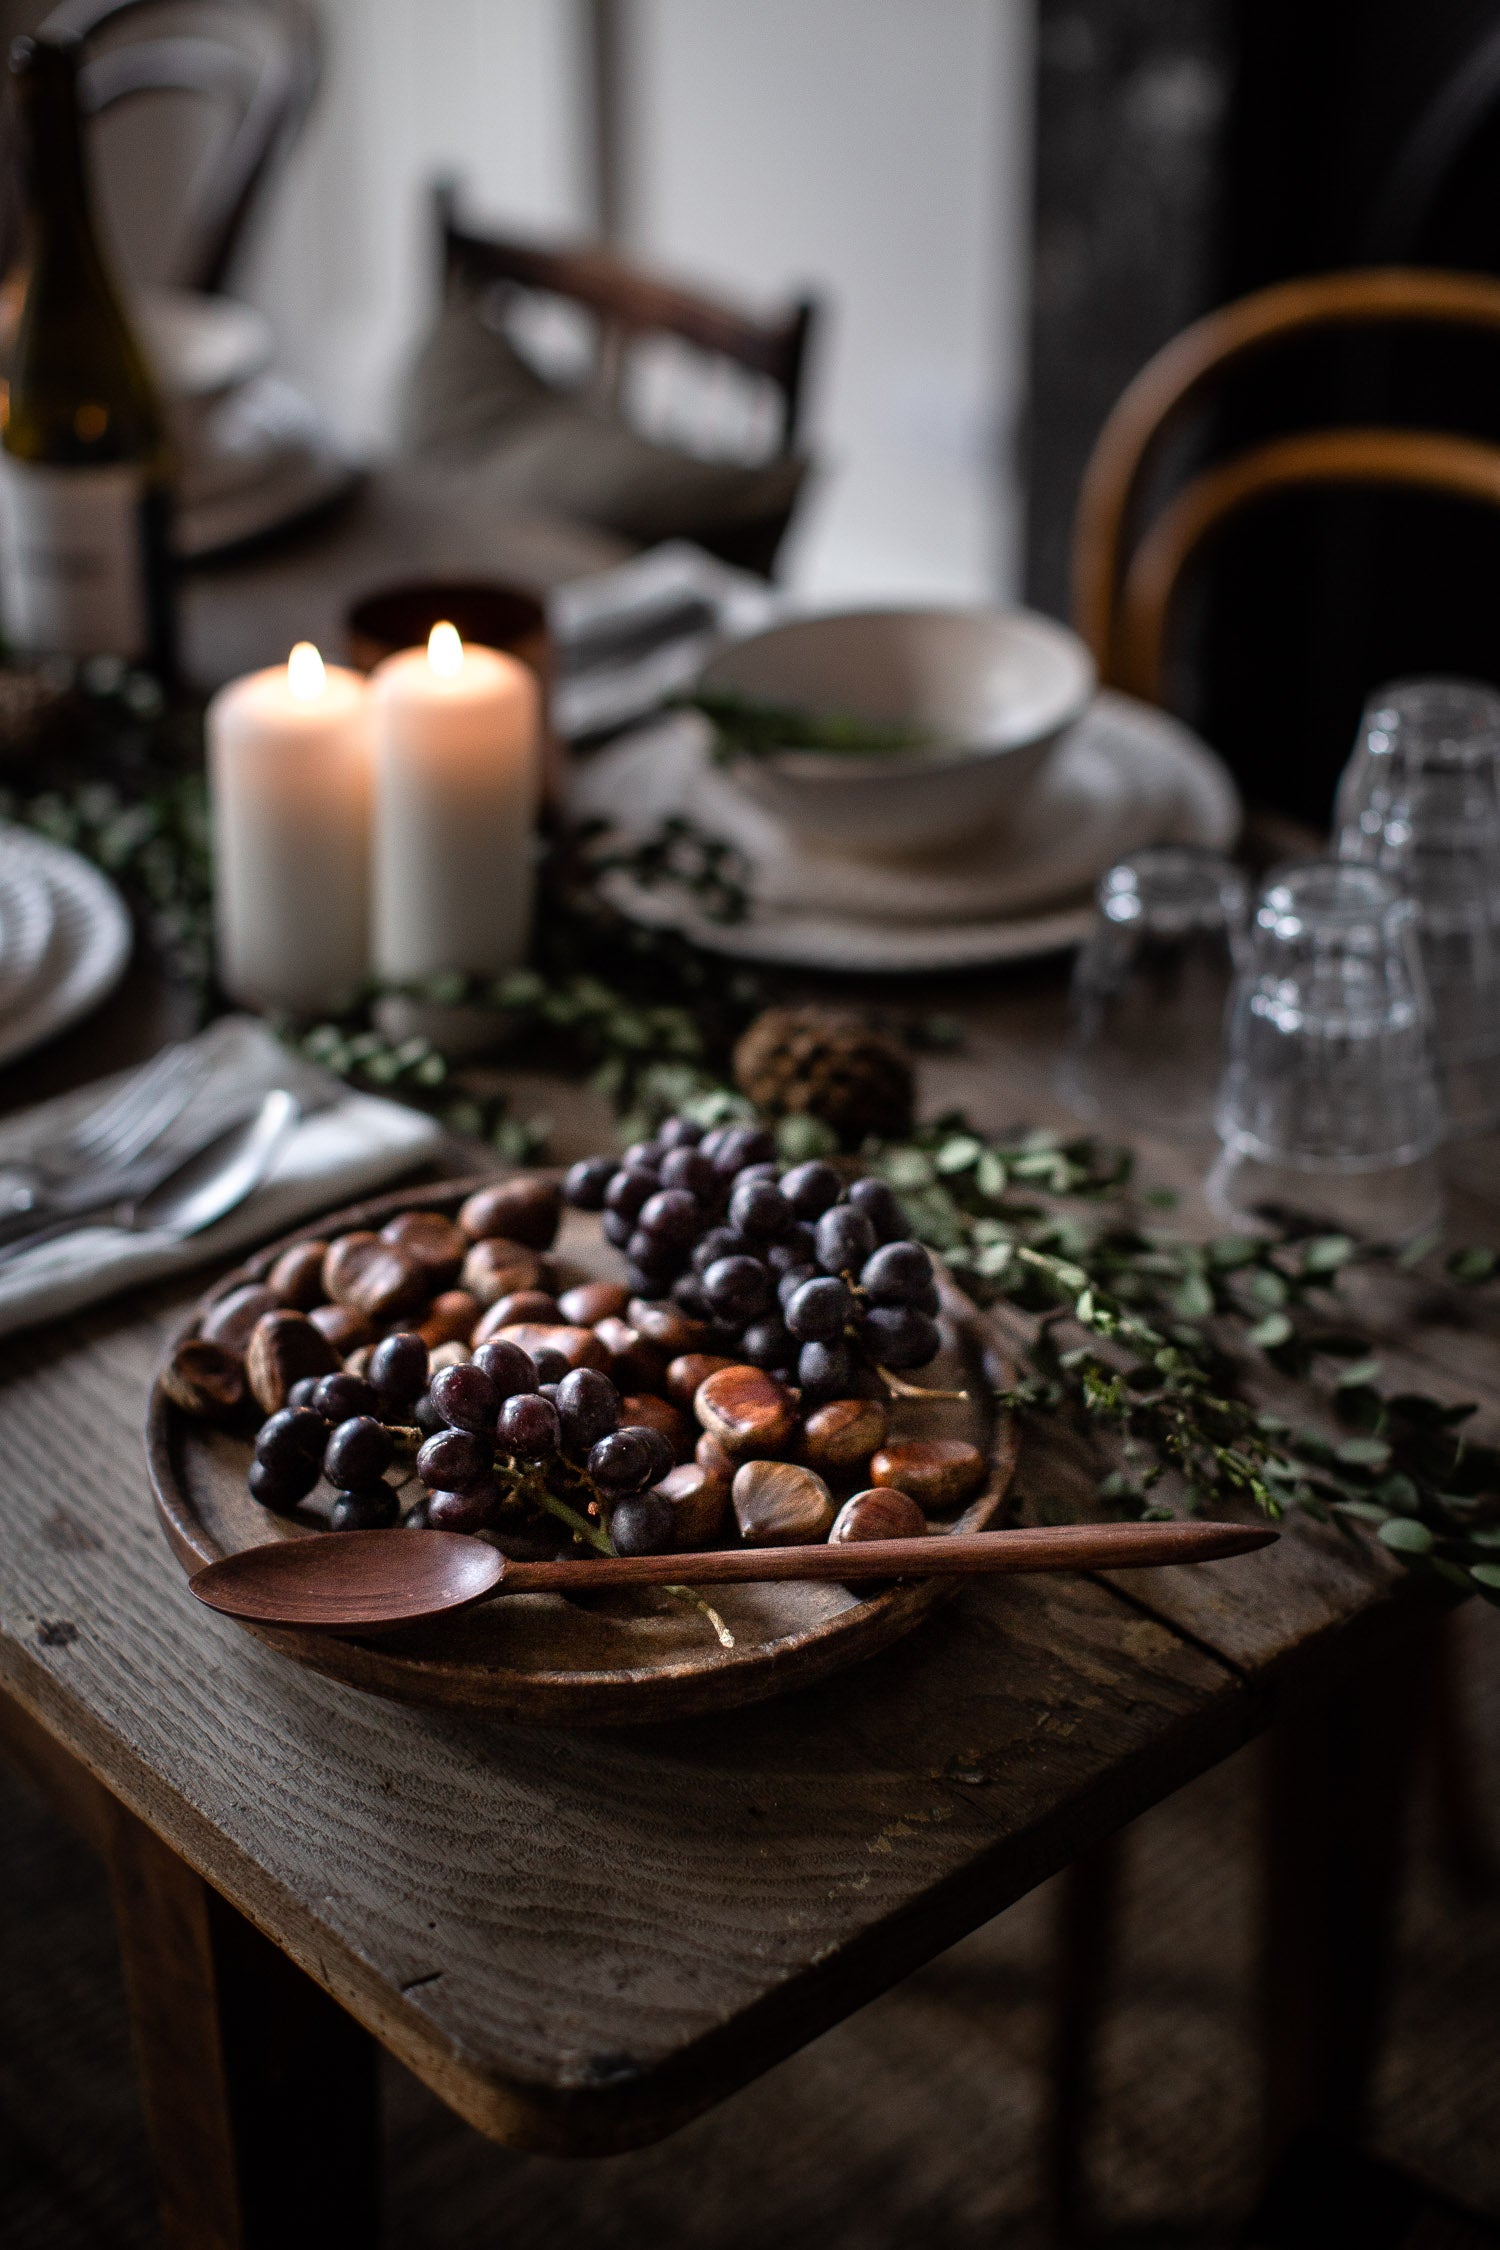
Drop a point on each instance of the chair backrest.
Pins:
(629, 306)
(251, 65)
(1123, 602)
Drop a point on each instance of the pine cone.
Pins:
(817, 1062)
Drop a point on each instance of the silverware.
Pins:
(110, 1138)
(195, 1190)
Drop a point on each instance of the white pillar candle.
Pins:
(289, 770)
(457, 781)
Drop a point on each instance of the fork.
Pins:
(110, 1137)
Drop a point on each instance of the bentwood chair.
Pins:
(248, 71)
(1130, 563)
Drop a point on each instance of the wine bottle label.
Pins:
(72, 559)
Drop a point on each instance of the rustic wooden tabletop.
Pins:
(581, 1939)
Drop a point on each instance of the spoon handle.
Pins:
(1072, 1546)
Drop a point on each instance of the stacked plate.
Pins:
(64, 939)
(1124, 776)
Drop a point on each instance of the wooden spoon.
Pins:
(376, 1581)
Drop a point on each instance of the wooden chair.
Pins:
(256, 62)
(629, 306)
(1127, 575)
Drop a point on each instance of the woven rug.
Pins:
(915, 2123)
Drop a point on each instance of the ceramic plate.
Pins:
(1127, 775)
(89, 948)
(28, 918)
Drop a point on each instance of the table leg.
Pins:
(1339, 1787)
(1088, 1927)
(259, 2091)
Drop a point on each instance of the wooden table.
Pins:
(580, 1940)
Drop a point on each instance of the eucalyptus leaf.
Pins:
(1405, 1537)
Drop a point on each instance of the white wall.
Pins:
(874, 150)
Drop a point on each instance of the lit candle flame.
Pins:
(445, 651)
(305, 676)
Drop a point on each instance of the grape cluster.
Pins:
(504, 1424)
(792, 1270)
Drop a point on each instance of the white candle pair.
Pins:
(385, 824)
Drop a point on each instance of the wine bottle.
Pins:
(85, 469)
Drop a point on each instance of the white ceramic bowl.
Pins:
(995, 687)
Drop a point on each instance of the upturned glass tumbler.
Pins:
(1145, 1038)
(1330, 1108)
(1420, 801)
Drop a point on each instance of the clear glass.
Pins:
(1145, 1039)
(1420, 800)
(1330, 1106)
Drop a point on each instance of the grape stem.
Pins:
(900, 1388)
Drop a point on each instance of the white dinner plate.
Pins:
(1127, 775)
(28, 917)
(89, 948)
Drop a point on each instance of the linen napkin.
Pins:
(346, 1144)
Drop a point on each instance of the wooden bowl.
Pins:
(581, 1660)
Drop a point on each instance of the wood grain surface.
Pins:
(581, 1938)
(617, 1660)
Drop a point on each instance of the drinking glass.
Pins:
(1149, 988)
(1330, 1108)
(1420, 800)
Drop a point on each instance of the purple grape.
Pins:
(369, 1508)
(455, 1459)
(529, 1427)
(672, 1216)
(811, 1189)
(882, 1207)
(644, 1156)
(897, 1273)
(663, 1459)
(742, 1145)
(465, 1397)
(688, 1168)
(469, 1510)
(760, 1210)
(551, 1364)
(719, 1242)
(280, 1489)
(629, 1189)
(588, 1408)
(427, 1416)
(687, 1292)
(738, 1289)
(398, 1368)
(766, 1343)
(899, 1336)
(771, 1172)
(791, 1281)
(415, 1518)
(642, 1526)
(617, 1228)
(713, 1140)
(338, 1397)
(585, 1183)
(678, 1133)
(845, 1238)
(510, 1369)
(291, 1443)
(825, 1370)
(650, 1255)
(301, 1392)
(625, 1461)
(359, 1452)
(797, 1247)
(816, 1312)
